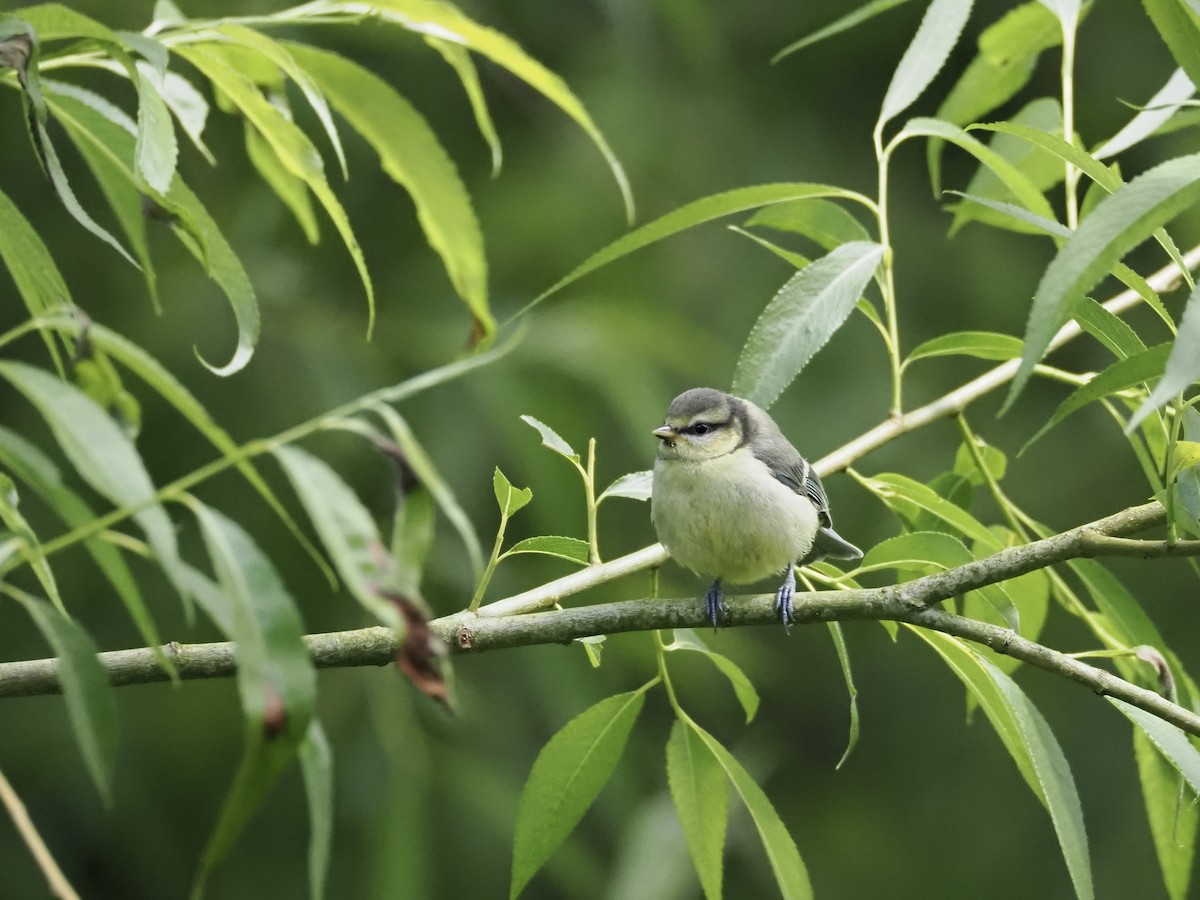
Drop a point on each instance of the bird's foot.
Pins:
(783, 597)
(714, 603)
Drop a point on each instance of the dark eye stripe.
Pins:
(700, 428)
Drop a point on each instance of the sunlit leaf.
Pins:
(508, 497)
(635, 486)
(939, 31)
(687, 639)
(551, 439)
(701, 799)
(566, 778)
(460, 60)
(1146, 121)
(155, 151)
(568, 548)
(801, 318)
(979, 344)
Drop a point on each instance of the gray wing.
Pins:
(790, 468)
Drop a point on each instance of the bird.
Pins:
(733, 500)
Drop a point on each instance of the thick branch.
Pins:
(909, 602)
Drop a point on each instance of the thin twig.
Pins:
(59, 886)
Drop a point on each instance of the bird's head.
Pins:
(701, 424)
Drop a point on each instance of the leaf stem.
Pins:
(589, 489)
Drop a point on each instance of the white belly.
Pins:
(729, 518)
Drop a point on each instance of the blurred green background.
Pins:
(928, 805)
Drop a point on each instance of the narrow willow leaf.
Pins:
(441, 20)
(91, 704)
(101, 454)
(509, 498)
(289, 188)
(33, 271)
(1120, 222)
(801, 318)
(29, 465)
(1173, 819)
(798, 260)
(1170, 740)
(293, 146)
(1008, 52)
(921, 552)
(1032, 746)
(108, 143)
(1108, 328)
(155, 151)
(276, 680)
(551, 439)
(696, 213)
(1182, 366)
(190, 110)
(864, 13)
(346, 529)
(460, 60)
(701, 799)
(1140, 368)
(939, 31)
(820, 220)
(843, 652)
(635, 486)
(687, 639)
(422, 465)
(1017, 214)
(1158, 109)
(979, 344)
(568, 548)
(566, 778)
(790, 874)
(316, 763)
(19, 526)
(412, 156)
(896, 489)
(1178, 25)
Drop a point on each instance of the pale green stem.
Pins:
(1071, 177)
(888, 286)
(492, 563)
(589, 487)
(59, 886)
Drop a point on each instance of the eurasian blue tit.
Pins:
(735, 501)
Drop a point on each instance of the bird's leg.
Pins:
(714, 602)
(783, 597)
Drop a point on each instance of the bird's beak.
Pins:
(665, 433)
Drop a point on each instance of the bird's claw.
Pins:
(714, 603)
(783, 597)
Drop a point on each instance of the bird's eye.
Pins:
(700, 428)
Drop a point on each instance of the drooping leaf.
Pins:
(1032, 746)
(33, 271)
(551, 439)
(1120, 222)
(16, 523)
(1173, 819)
(843, 653)
(412, 156)
(939, 31)
(864, 13)
(695, 213)
(701, 799)
(1182, 367)
(346, 529)
(979, 344)
(155, 151)
(1178, 25)
(316, 762)
(288, 187)
(91, 704)
(1109, 329)
(1158, 109)
(801, 318)
(687, 639)
(1170, 740)
(566, 778)
(791, 876)
(460, 60)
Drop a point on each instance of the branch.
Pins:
(910, 602)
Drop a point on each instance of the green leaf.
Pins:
(276, 681)
(33, 271)
(91, 704)
(635, 486)
(102, 455)
(1179, 26)
(460, 60)
(1119, 223)
(295, 150)
(346, 529)
(190, 110)
(510, 498)
(801, 318)
(316, 762)
(896, 490)
(939, 31)
(441, 20)
(566, 778)
(32, 547)
(551, 439)
(1173, 819)
(289, 188)
(790, 874)
(1170, 740)
(797, 260)
(687, 639)
(979, 344)
(822, 221)
(994, 460)
(1182, 366)
(155, 151)
(864, 13)
(34, 469)
(701, 800)
(568, 548)
(1158, 109)
(412, 156)
(1141, 367)
(1109, 329)
(695, 213)
(843, 652)
(1031, 744)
